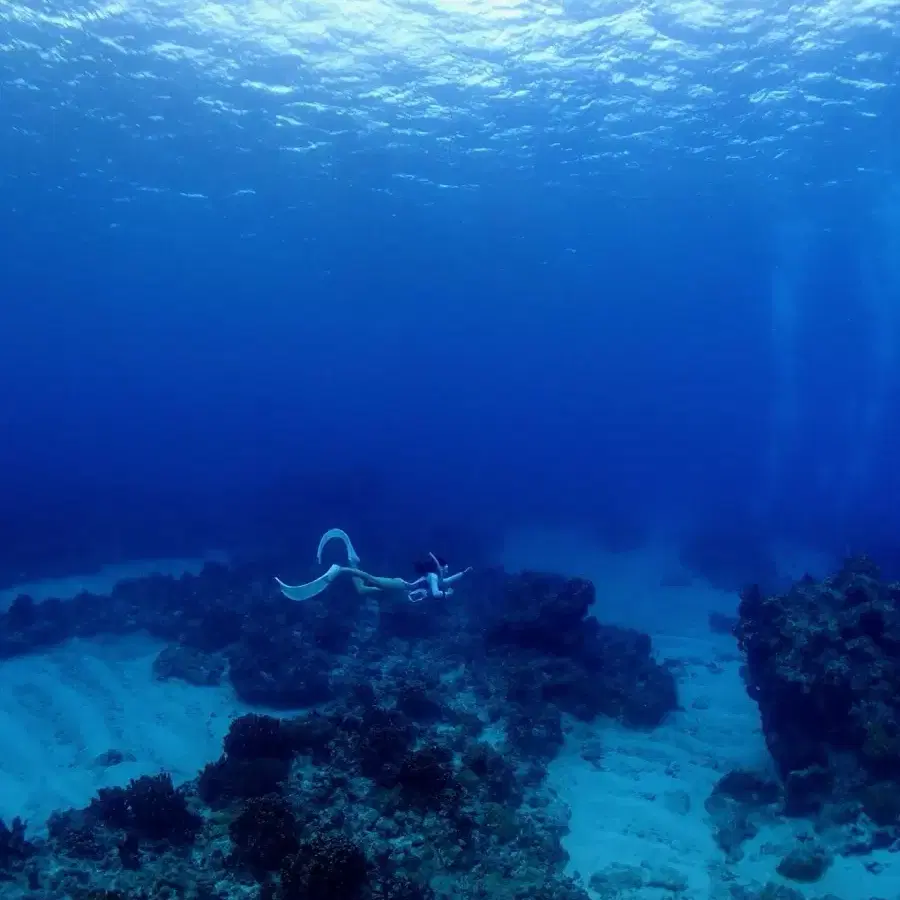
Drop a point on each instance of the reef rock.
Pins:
(823, 663)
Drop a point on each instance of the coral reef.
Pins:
(415, 771)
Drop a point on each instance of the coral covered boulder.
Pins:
(264, 834)
(150, 808)
(823, 663)
(256, 761)
(328, 867)
(565, 657)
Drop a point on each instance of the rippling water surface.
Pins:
(442, 93)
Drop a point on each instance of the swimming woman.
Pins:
(434, 579)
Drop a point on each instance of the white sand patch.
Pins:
(61, 709)
(642, 802)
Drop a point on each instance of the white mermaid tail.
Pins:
(352, 556)
(311, 588)
(341, 535)
(363, 581)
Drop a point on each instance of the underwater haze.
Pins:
(271, 267)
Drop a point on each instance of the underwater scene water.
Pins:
(449, 450)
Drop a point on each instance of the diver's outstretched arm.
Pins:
(432, 585)
(451, 579)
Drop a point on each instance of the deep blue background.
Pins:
(316, 339)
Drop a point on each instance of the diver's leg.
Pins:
(363, 588)
(379, 581)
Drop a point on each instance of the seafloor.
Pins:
(204, 738)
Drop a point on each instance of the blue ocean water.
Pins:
(492, 262)
(604, 289)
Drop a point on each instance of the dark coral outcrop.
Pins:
(427, 779)
(325, 868)
(15, 848)
(823, 663)
(565, 657)
(256, 762)
(150, 808)
(264, 834)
